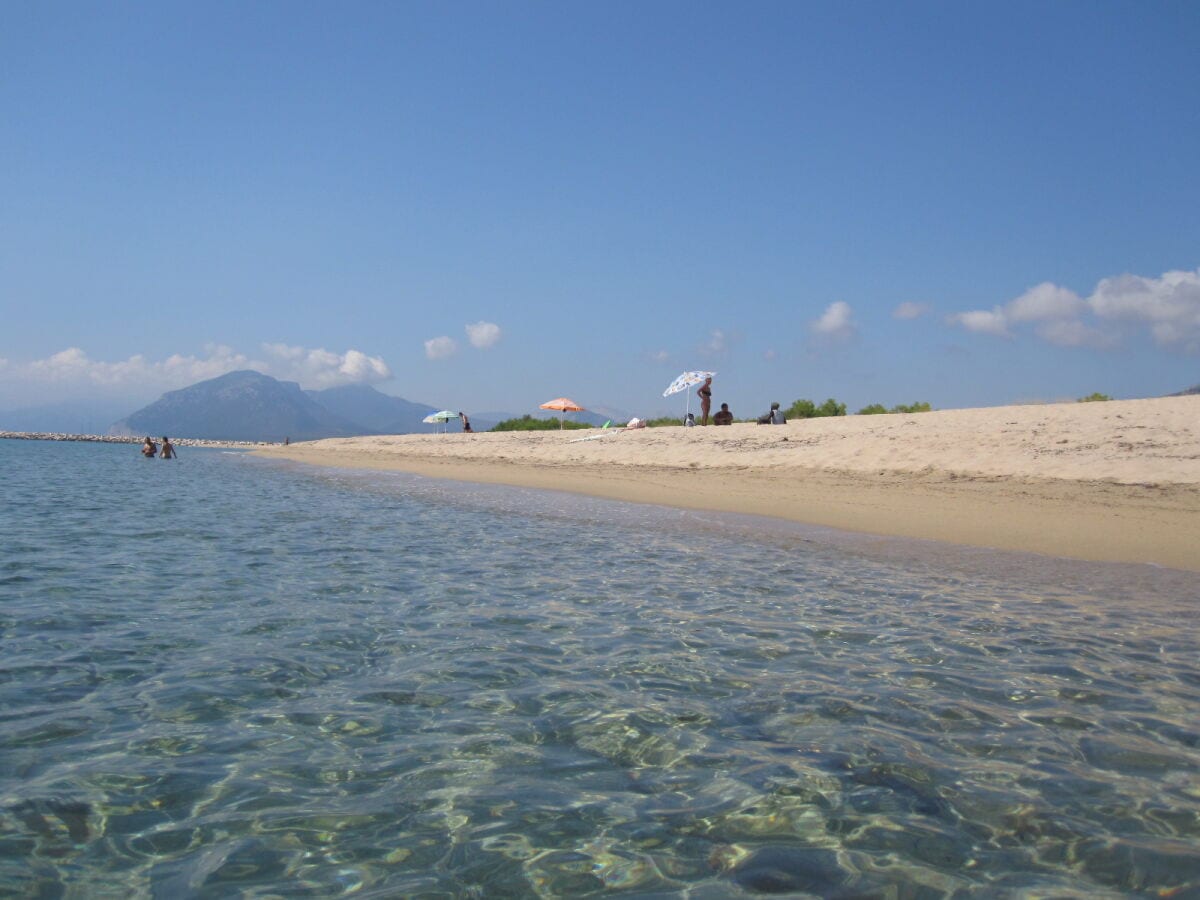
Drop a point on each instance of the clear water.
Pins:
(223, 676)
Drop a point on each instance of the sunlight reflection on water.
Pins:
(232, 676)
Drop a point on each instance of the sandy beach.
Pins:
(1112, 481)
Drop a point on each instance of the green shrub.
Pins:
(1094, 398)
(876, 409)
(801, 409)
(663, 421)
(529, 423)
(831, 408)
(806, 409)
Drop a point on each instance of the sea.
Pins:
(229, 676)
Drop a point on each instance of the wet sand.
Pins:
(1116, 481)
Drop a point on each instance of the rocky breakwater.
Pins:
(112, 439)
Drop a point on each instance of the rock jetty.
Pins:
(111, 439)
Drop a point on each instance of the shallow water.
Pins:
(224, 676)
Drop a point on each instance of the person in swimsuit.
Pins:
(168, 451)
(466, 423)
(705, 394)
(723, 416)
(149, 448)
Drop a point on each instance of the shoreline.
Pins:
(1114, 484)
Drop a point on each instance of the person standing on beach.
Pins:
(705, 395)
(466, 423)
(168, 450)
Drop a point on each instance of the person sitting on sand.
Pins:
(773, 416)
(723, 416)
(168, 451)
(149, 448)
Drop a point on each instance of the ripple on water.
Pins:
(332, 683)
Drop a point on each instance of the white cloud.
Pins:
(717, 341)
(836, 322)
(312, 368)
(1074, 333)
(440, 347)
(321, 368)
(660, 356)
(483, 334)
(982, 321)
(769, 354)
(74, 365)
(909, 310)
(1168, 307)
(1044, 302)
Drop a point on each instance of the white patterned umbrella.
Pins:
(685, 381)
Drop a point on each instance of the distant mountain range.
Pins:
(1195, 389)
(250, 406)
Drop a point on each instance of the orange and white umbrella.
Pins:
(562, 405)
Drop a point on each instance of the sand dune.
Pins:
(1117, 480)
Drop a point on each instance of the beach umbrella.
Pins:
(685, 381)
(562, 405)
(440, 418)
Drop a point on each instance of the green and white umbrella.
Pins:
(440, 418)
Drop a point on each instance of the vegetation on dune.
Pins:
(806, 409)
(529, 423)
(1094, 398)
(876, 409)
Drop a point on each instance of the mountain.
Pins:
(373, 410)
(1195, 389)
(238, 406)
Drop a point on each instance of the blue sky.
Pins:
(486, 205)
